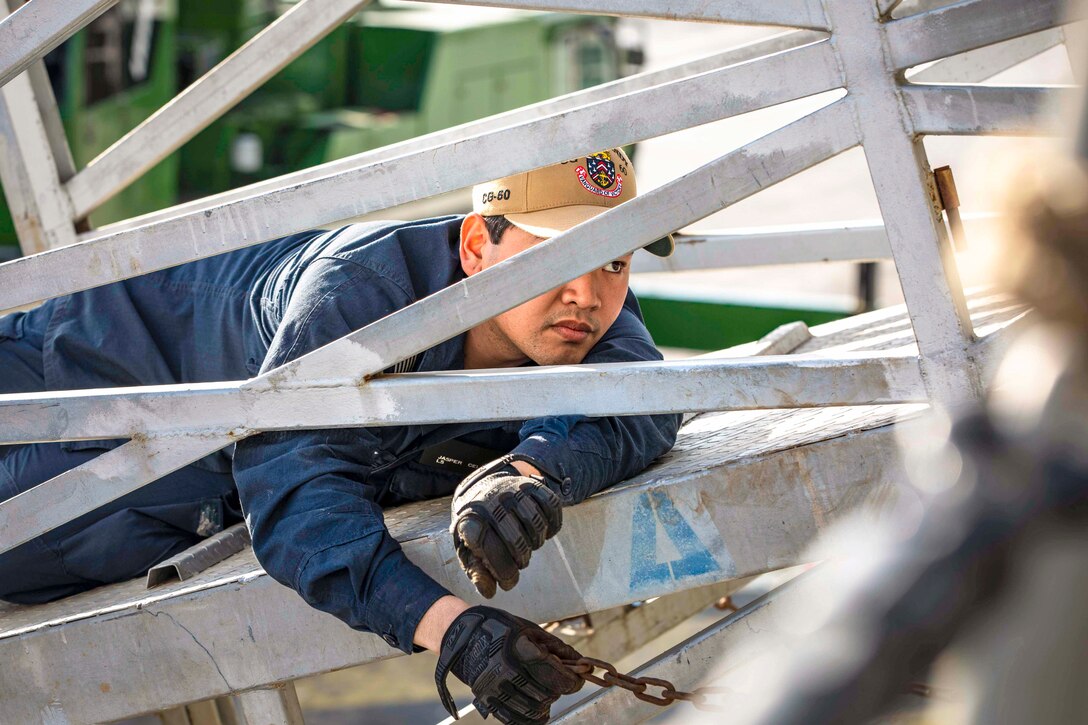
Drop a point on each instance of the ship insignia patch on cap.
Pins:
(599, 174)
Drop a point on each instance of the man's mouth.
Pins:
(573, 330)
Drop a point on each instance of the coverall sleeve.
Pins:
(315, 523)
(587, 455)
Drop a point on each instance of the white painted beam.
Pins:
(713, 186)
(760, 246)
(39, 26)
(982, 64)
(858, 241)
(40, 208)
(674, 386)
(793, 13)
(46, 103)
(985, 110)
(968, 25)
(424, 172)
(206, 100)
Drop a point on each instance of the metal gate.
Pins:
(858, 47)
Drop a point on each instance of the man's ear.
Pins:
(474, 237)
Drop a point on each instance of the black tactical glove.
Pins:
(512, 665)
(499, 517)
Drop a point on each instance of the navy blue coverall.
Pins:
(312, 499)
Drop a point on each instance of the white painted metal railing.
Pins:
(847, 44)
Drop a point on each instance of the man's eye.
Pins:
(615, 266)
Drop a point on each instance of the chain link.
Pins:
(586, 667)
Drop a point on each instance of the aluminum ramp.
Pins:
(742, 492)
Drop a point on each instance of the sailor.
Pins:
(313, 500)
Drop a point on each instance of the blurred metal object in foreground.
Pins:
(995, 571)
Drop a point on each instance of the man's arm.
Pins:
(500, 517)
(313, 514)
(437, 620)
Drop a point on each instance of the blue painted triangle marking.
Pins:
(695, 558)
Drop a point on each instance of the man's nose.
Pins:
(582, 292)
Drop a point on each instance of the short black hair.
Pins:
(496, 227)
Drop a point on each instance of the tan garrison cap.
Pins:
(548, 201)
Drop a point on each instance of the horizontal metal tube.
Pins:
(982, 64)
(455, 397)
(802, 244)
(981, 110)
(771, 246)
(172, 426)
(366, 188)
(39, 26)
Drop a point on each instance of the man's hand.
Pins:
(512, 665)
(499, 517)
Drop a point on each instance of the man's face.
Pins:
(558, 327)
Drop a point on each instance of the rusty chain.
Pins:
(585, 667)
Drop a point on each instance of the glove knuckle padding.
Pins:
(533, 521)
(510, 663)
(550, 506)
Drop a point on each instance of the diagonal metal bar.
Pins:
(780, 42)
(968, 25)
(716, 185)
(95, 483)
(46, 103)
(676, 386)
(978, 110)
(350, 361)
(39, 26)
(40, 209)
(794, 13)
(785, 152)
(981, 64)
(425, 172)
(206, 100)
